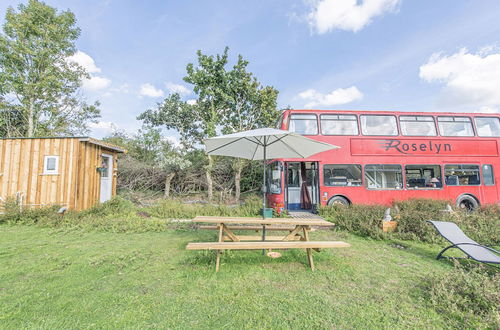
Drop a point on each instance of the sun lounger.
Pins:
(459, 240)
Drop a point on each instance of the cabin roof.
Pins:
(88, 139)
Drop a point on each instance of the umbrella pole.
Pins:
(264, 190)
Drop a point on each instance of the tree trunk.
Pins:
(237, 180)
(31, 119)
(169, 178)
(208, 173)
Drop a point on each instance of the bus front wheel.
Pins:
(338, 200)
(467, 202)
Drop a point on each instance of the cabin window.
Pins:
(488, 126)
(378, 125)
(417, 126)
(423, 177)
(274, 178)
(339, 125)
(488, 177)
(383, 176)
(303, 124)
(455, 126)
(51, 165)
(342, 175)
(462, 175)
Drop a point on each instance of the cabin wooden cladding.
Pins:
(77, 182)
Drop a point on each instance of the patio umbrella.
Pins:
(263, 144)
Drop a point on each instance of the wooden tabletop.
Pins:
(260, 221)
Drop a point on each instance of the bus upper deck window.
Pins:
(378, 125)
(417, 126)
(488, 126)
(339, 125)
(303, 124)
(455, 126)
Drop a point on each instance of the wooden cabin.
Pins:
(76, 172)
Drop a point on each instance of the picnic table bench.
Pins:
(296, 238)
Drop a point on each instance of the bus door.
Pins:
(302, 185)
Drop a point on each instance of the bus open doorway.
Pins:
(302, 186)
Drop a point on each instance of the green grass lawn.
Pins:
(72, 279)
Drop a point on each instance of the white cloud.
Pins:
(470, 80)
(85, 61)
(176, 88)
(150, 91)
(348, 15)
(96, 83)
(191, 101)
(336, 97)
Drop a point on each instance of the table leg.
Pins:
(309, 251)
(218, 252)
(263, 237)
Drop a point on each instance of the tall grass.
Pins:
(121, 215)
(468, 296)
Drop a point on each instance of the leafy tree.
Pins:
(231, 100)
(248, 105)
(39, 86)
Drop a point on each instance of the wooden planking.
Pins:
(259, 238)
(77, 184)
(256, 228)
(271, 221)
(265, 245)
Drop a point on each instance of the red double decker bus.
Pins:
(386, 156)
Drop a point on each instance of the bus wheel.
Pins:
(338, 200)
(467, 202)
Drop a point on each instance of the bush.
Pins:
(359, 219)
(366, 220)
(121, 215)
(172, 208)
(468, 297)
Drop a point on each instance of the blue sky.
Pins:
(329, 54)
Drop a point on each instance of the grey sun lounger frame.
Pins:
(451, 232)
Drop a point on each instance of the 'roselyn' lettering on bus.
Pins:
(408, 148)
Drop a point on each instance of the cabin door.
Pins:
(106, 178)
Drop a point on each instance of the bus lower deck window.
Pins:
(462, 175)
(342, 175)
(489, 178)
(384, 176)
(423, 176)
(273, 176)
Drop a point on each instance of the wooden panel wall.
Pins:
(77, 184)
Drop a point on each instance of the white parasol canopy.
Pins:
(265, 143)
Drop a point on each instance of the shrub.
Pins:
(468, 297)
(366, 220)
(359, 219)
